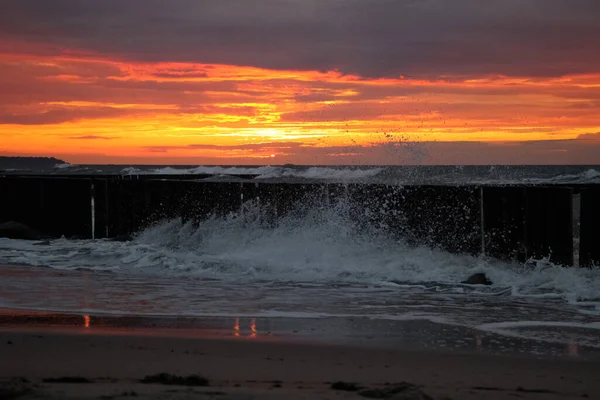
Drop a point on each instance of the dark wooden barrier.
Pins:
(509, 222)
(445, 217)
(549, 224)
(101, 209)
(504, 223)
(56, 207)
(435, 216)
(529, 222)
(589, 245)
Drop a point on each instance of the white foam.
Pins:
(558, 332)
(266, 172)
(537, 324)
(324, 245)
(64, 166)
(131, 171)
(391, 175)
(200, 170)
(588, 176)
(320, 173)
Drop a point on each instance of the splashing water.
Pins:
(318, 244)
(320, 260)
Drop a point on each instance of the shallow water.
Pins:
(548, 320)
(399, 174)
(320, 264)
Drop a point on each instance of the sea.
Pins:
(314, 276)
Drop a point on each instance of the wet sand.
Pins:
(261, 366)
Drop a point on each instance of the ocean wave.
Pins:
(320, 245)
(467, 175)
(264, 173)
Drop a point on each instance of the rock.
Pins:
(17, 230)
(478, 279)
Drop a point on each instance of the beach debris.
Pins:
(400, 391)
(14, 388)
(346, 386)
(169, 379)
(478, 279)
(17, 230)
(67, 379)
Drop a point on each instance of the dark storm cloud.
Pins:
(365, 37)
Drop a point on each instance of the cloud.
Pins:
(554, 152)
(92, 137)
(589, 136)
(60, 115)
(185, 73)
(248, 146)
(370, 38)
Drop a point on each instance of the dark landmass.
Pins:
(28, 162)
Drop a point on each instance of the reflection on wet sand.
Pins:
(253, 327)
(394, 334)
(253, 330)
(236, 327)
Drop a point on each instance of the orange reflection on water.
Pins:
(253, 327)
(86, 321)
(236, 327)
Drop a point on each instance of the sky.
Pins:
(301, 81)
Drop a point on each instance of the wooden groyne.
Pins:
(511, 222)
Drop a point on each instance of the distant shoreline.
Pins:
(22, 163)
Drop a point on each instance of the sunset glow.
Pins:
(96, 107)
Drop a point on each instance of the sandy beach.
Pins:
(39, 362)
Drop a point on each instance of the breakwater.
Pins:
(509, 222)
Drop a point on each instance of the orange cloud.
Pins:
(235, 112)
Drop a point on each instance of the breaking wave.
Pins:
(320, 245)
(472, 175)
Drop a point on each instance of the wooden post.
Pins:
(549, 224)
(589, 245)
(504, 222)
(447, 217)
